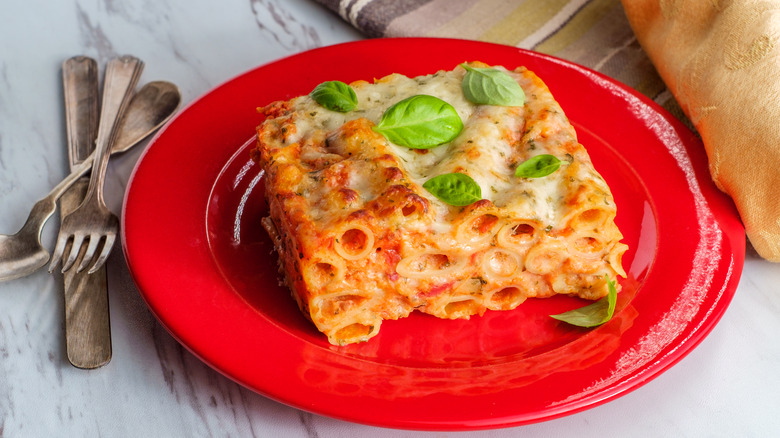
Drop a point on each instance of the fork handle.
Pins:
(120, 79)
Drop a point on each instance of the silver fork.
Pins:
(92, 220)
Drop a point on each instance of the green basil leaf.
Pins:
(538, 166)
(335, 96)
(594, 314)
(420, 122)
(454, 188)
(488, 86)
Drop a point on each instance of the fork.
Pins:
(92, 220)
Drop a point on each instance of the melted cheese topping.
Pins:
(486, 149)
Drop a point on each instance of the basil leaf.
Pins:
(488, 86)
(538, 166)
(420, 122)
(335, 96)
(593, 314)
(454, 188)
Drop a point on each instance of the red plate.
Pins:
(196, 251)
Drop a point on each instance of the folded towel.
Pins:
(721, 59)
(718, 58)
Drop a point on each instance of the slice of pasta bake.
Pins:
(451, 193)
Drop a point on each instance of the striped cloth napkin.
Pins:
(717, 57)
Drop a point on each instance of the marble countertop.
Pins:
(728, 386)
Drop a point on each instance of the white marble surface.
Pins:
(728, 386)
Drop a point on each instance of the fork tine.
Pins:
(107, 245)
(62, 241)
(94, 239)
(75, 249)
